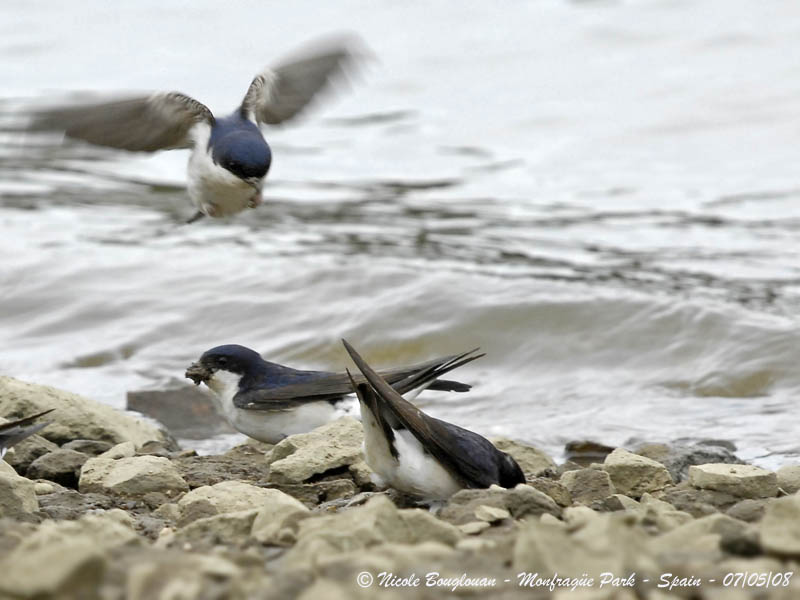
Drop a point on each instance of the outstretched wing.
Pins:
(331, 386)
(281, 92)
(145, 124)
(469, 457)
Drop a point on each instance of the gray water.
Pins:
(603, 196)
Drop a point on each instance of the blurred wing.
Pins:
(332, 386)
(145, 124)
(16, 431)
(281, 92)
(468, 456)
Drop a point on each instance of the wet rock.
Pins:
(522, 501)
(780, 527)
(69, 504)
(17, 495)
(77, 417)
(208, 470)
(90, 447)
(226, 528)
(121, 450)
(229, 496)
(585, 452)
(552, 488)
(633, 475)
(300, 457)
(532, 461)
(587, 485)
(742, 481)
(679, 457)
(61, 466)
(134, 476)
(748, 510)
(789, 478)
(187, 412)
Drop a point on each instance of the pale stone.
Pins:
(789, 478)
(474, 527)
(133, 476)
(225, 528)
(121, 450)
(587, 485)
(742, 481)
(76, 417)
(277, 520)
(300, 457)
(491, 514)
(531, 460)
(633, 475)
(17, 495)
(780, 527)
(231, 496)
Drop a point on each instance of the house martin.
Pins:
(16, 431)
(268, 401)
(229, 156)
(418, 454)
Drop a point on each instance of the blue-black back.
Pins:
(237, 145)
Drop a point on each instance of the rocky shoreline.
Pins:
(106, 505)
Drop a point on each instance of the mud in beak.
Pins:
(198, 373)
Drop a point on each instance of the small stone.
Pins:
(491, 514)
(42, 487)
(121, 450)
(521, 501)
(554, 489)
(789, 478)
(633, 475)
(532, 461)
(742, 481)
(474, 527)
(225, 528)
(679, 457)
(277, 519)
(587, 485)
(229, 496)
(133, 476)
(61, 466)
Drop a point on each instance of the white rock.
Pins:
(75, 417)
(233, 496)
(780, 527)
(633, 475)
(743, 481)
(491, 514)
(17, 495)
(134, 476)
(789, 478)
(121, 450)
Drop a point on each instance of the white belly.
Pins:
(272, 426)
(414, 471)
(215, 191)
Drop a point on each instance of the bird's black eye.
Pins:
(222, 360)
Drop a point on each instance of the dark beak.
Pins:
(198, 373)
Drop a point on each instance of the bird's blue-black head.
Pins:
(236, 144)
(232, 357)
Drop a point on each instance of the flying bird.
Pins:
(268, 401)
(229, 156)
(418, 454)
(14, 432)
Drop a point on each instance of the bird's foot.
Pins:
(255, 201)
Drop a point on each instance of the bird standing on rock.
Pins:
(230, 157)
(418, 454)
(268, 401)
